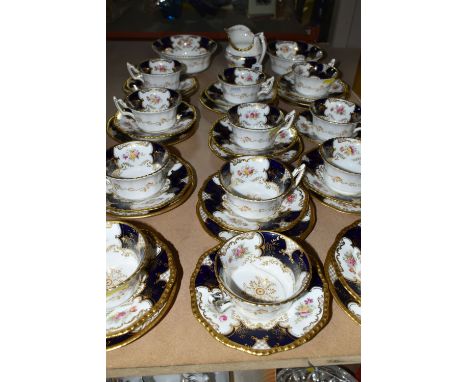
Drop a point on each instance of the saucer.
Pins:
(288, 156)
(221, 136)
(188, 86)
(346, 263)
(212, 98)
(123, 129)
(304, 319)
(304, 123)
(313, 180)
(286, 91)
(300, 230)
(127, 321)
(180, 183)
(344, 299)
(212, 198)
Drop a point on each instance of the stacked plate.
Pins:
(140, 279)
(343, 270)
(260, 292)
(146, 179)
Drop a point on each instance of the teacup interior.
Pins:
(344, 153)
(315, 69)
(255, 267)
(256, 116)
(160, 66)
(242, 76)
(256, 178)
(153, 100)
(135, 159)
(335, 108)
(294, 50)
(185, 45)
(124, 253)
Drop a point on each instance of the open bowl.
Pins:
(283, 54)
(262, 272)
(193, 51)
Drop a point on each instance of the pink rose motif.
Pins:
(291, 198)
(223, 317)
(120, 315)
(309, 301)
(283, 134)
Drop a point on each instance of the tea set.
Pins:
(343, 270)
(140, 279)
(259, 290)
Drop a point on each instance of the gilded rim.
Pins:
(305, 102)
(302, 236)
(170, 205)
(356, 319)
(143, 262)
(271, 101)
(185, 93)
(226, 341)
(331, 254)
(277, 152)
(229, 228)
(160, 136)
(227, 156)
(321, 200)
(167, 289)
(325, 159)
(320, 194)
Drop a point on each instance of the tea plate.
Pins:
(286, 91)
(124, 129)
(305, 318)
(222, 137)
(130, 318)
(288, 156)
(212, 198)
(300, 230)
(188, 86)
(178, 187)
(345, 256)
(313, 180)
(213, 99)
(344, 299)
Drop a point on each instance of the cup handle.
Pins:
(297, 174)
(356, 130)
(266, 86)
(121, 106)
(289, 119)
(134, 72)
(220, 301)
(109, 187)
(332, 62)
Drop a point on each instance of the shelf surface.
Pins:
(179, 343)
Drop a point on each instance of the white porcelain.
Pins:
(157, 73)
(256, 186)
(284, 54)
(257, 125)
(314, 79)
(334, 117)
(193, 51)
(126, 256)
(241, 85)
(244, 44)
(136, 170)
(342, 165)
(154, 109)
(256, 276)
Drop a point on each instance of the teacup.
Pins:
(334, 117)
(193, 51)
(256, 276)
(256, 125)
(126, 255)
(342, 165)
(314, 79)
(240, 85)
(154, 110)
(136, 170)
(284, 54)
(256, 186)
(157, 73)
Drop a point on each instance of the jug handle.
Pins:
(263, 44)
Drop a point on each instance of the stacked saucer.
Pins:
(343, 270)
(255, 129)
(153, 115)
(260, 292)
(140, 279)
(255, 193)
(333, 182)
(145, 179)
